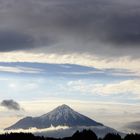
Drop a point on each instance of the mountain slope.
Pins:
(60, 116)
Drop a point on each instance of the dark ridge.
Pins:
(83, 135)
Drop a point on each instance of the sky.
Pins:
(84, 53)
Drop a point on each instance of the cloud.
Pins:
(133, 126)
(35, 130)
(126, 87)
(126, 63)
(101, 34)
(15, 69)
(11, 105)
(95, 27)
(63, 131)
(10, 41)
(65, 70)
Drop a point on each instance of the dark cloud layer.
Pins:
(11, 105)
(103, 27)
(15, 41)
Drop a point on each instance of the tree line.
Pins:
(84, 135)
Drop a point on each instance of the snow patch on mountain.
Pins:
(64, 112)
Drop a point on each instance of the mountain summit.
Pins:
(61, 116)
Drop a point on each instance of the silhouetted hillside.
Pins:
(84, 135)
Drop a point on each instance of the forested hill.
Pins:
(84, 135)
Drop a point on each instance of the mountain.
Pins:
(60, 116)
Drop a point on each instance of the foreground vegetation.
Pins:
(84, 135)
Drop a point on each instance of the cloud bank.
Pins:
(134, 126)
(101, 34)
(125, 88)
(63, 131)
(104, 27)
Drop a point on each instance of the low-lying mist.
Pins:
(62, 131)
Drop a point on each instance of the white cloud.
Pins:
(130, 87)
(19, 69)
(126, 63)
(35, 130)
